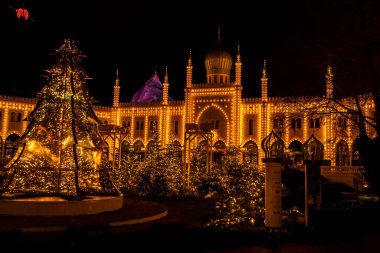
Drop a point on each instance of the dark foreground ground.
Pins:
(334, 230)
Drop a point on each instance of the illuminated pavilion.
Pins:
(238, 121)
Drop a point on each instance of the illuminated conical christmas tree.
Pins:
(61, 150)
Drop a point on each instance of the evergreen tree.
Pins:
(62, 151)
(159, 175)
(241, 203)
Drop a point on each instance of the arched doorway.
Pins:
(251, 152)
(295, 155)
(11, 146)
(219, 151)
(125, 146)
(215, 115)
(138, 151)
(342, 154)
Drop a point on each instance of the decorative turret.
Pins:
(165, 95)
(218, 64)
(329, 82)
(264, 83)
(116, 90)
(189, 72)
(238, 68)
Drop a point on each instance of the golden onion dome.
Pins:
(218, 61)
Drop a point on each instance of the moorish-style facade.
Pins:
(238, 121)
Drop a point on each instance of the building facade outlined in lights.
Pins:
(236, 121)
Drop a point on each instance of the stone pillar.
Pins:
(273, 196)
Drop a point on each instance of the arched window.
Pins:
(176, 127)
(220, 145)
(13, 117)
(11, 145)
(19, 115)
(142, 125)
(138, 146)
(342, 122)
(215, 79)
(317, 123)
(151, 125)
(311, 123)
(250, 127)
(137, 125)
(251, 152)
(1, 115)
(225, 78)
(342, 154)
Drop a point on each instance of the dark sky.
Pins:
(141, 37)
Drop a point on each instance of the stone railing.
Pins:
(349, 175)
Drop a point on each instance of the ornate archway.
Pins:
(218, 117)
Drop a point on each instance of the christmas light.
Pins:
(62, 148)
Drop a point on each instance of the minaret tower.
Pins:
(189, 72)
(329, 81)
(238, 68)
(165, 94)
(264, 84)
(116, 90)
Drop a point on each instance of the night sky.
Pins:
(141, 37)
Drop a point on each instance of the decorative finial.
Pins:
(238, 53)
(166, 79)
(117, 78)
(265, 68)
(189, 62)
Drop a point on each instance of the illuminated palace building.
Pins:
(233, 120)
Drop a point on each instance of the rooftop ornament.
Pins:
(313, 149)
(273, 146)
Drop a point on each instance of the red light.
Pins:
(22, 13)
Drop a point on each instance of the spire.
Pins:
(264, 83)
(116, 90)
(166, 75)
(329, 81)
(238, 54)
(189, 62)
(238, 67)
(189, 72)
(165, 94)
(265, 69)
(117, 82)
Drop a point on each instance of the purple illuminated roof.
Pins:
(151, 91)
